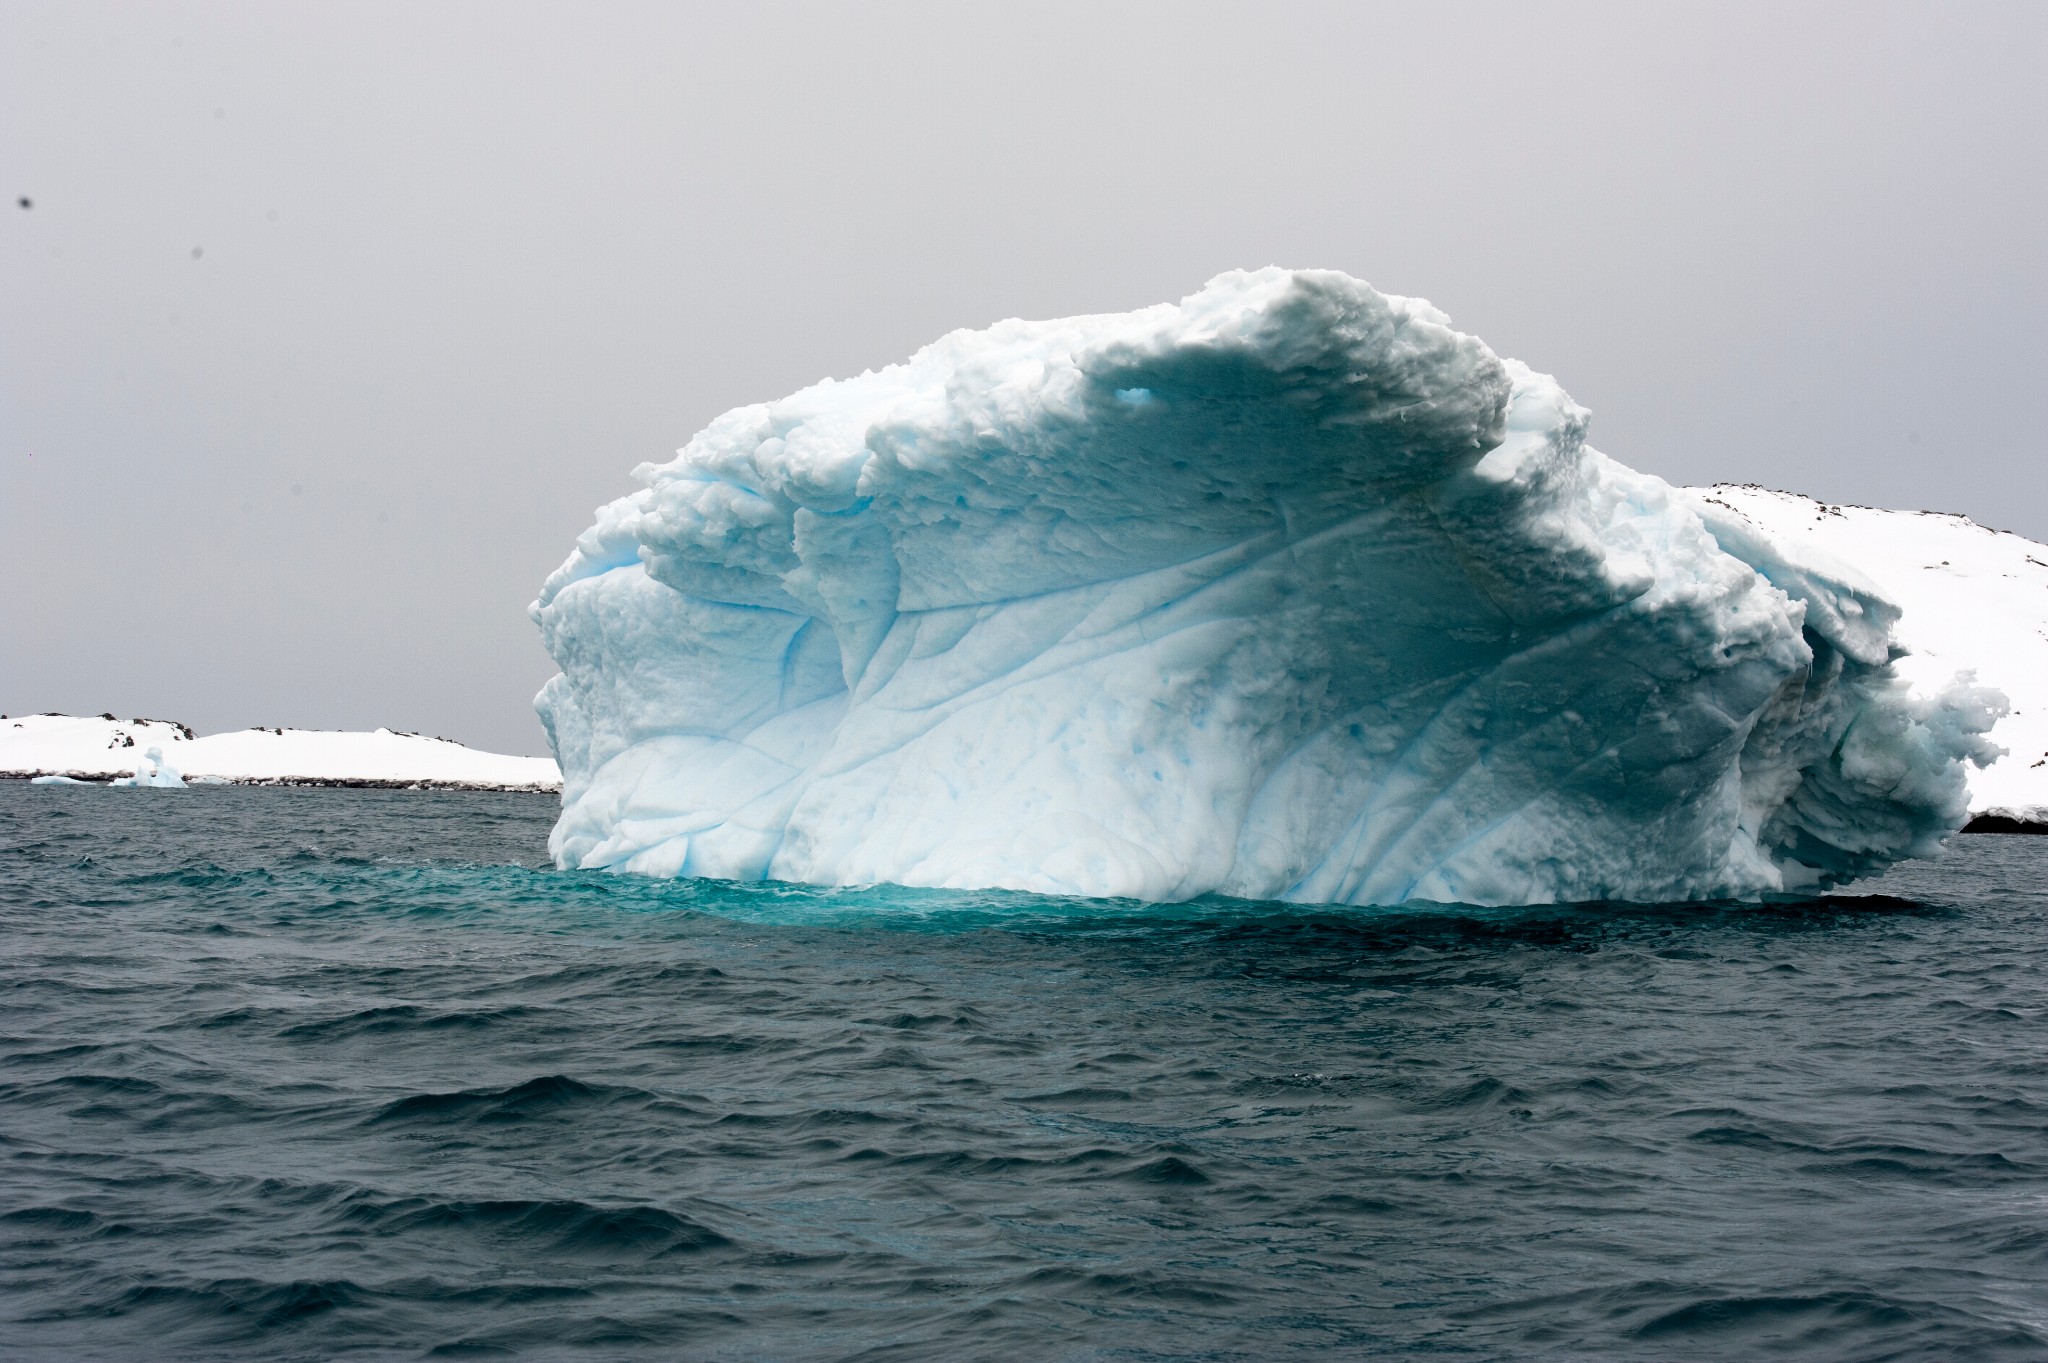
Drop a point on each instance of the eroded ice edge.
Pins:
(1287, 591)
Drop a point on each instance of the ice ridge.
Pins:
(1285, 591)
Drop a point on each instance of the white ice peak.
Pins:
(1286, 591)
(153, 771)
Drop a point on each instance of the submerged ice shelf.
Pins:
(1286, 591)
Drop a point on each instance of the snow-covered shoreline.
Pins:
(101, 747)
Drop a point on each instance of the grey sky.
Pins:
(330, 324)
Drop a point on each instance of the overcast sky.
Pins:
(328, 325)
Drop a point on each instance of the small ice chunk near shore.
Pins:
(1286, 591)
(152, 771)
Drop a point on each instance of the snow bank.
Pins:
(1970, 598)
(96, 748)
(1286, 591)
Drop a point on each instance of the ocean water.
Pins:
(295, 1074)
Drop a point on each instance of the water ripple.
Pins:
(321, 1074)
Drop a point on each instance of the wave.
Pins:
(546, 1095)
(557, 1226)
(406, 1018)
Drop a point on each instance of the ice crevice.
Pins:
(1342, 609)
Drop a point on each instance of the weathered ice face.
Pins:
(1286, 591)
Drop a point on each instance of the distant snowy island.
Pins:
(101, 748)
(1287, 590)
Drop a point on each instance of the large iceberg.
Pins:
(1287, 591)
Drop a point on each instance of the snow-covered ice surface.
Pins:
(97, 748)
(1286, 591)
(1971, 598)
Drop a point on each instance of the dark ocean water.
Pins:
(310, 1074)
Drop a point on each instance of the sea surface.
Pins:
(309, 1074)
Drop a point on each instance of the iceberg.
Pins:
(1286, 591)
(152, 771)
